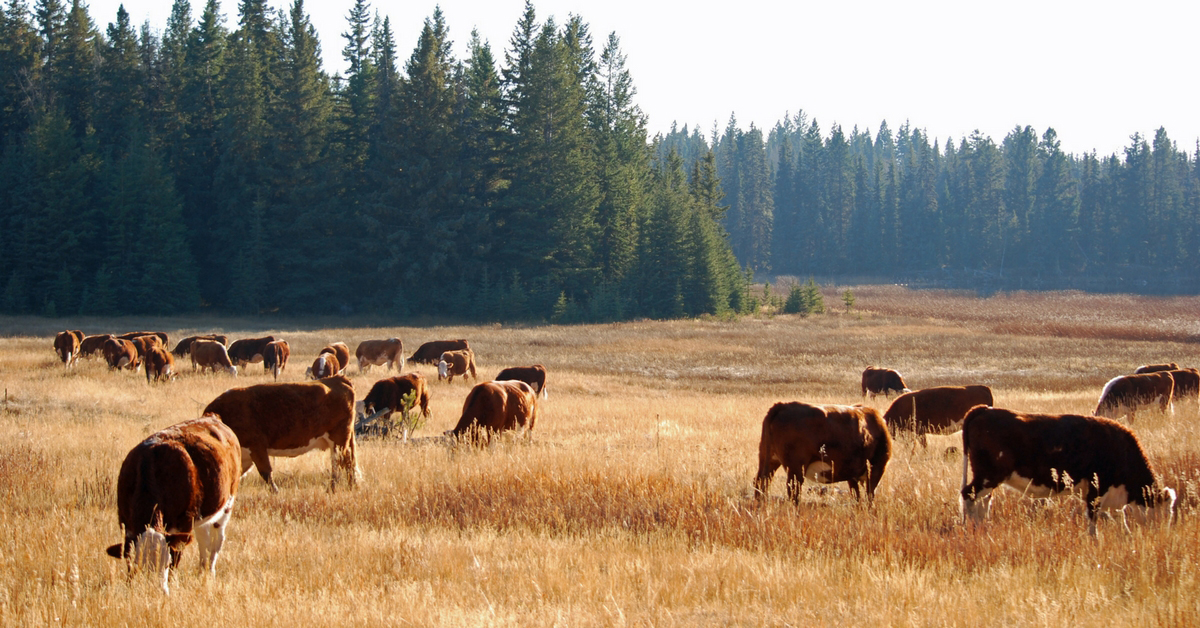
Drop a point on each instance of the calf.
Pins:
(1131, 392)
(936, 409)
(496, 407)
(178, 483)
(456, 363)
(1041, 455)
(289, 420)
(534, 375)
(210, 354)
(885, 381)
(823, 443)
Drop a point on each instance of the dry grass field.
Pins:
(632, 504)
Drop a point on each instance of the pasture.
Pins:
(632, 504)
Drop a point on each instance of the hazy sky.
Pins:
(1096, 71)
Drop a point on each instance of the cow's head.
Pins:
(443, 368)
(149, 551)
(232, 370)
(1159, 508)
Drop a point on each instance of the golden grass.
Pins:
(632, 505)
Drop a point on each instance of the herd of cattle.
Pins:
(181, 482)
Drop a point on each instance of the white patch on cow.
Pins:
(321, 442)
(818, 472)
(1026, 486)
(122, 362)
(1115, 498)
(319, 368)
(257, 357)
(232, 371)
(443, 368)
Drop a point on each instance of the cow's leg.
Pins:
(795, 482)
(262, 462)
(762, 481)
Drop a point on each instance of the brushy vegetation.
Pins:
(633, 503)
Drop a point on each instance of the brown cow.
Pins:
(534, 375)
(178, 483)
(386, 395)
(210, 354)
(496, 407)
(431, 352)
(375, 352)
(938, 409)
(885, 381)
(456, 363)
(823, 443)
(144, 343)
(121, 353)
(341, 352)
(289, 420)
(1041, 455)
(1187, 384)
(162, 335)
(185, 346)
(247, 350)
(160, 364)
(1130, 392)
(275, 357)
(1154, 368)
(326, 365)
(66, 345)
(92, 345)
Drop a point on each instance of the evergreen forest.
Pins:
(213, 164)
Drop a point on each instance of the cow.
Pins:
(143, 344)
(160, 364)
(66, 345)
(162, 335)
(882, 381)
(386, 395)
(431, 352)
(534, 375)
(289, 420)
(1187, 384)
(341, 352)
(943, 443)
(496, 407)
(936, 409)
(375, 352)
(823, 443)
(456, 363)
(178, 483)
(185, 346)
(1041, 455)
(121, 353)
(326, 365)
(275, 357)
(1130, 392)
(247, 350)
(92, 345)
(1154, 368)
(210, 354)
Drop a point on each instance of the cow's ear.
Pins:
(114, 550)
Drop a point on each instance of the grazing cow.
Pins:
(1041, 455)
(276, 357)
(882, 381)
(121, 353)
(456, 363)
(247, 350)
(162, 335)
(160, 364)
(66, 345)
(497, 407)
(178, 483)
(943, 443)
(386, 396)
(935, 409)
(92, 345)
(289, 420)
(144, 343)
(1130, 392)
(341, 352)
(210, 354)
(185, 346)
(1187, 384)
(326, 365)
(431, 352)
(823, 443)
(375, 352)
(1154, 368)
(534, 375)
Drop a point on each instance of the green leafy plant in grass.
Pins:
(402, 422)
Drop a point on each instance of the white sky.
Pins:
(1097, 71)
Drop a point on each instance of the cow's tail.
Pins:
(966, 440)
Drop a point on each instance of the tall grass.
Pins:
(633, 503)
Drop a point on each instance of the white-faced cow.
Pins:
(177, 484)
(534, 375)
(431, 352)
(275, 357)
(456, 363)
(496, 407)
(341, 352)
(822, 443)
(376, 352)
(1041, 455)
(326, 365)
(292, 419)
(882, 381)
(66, 345)
(938, 409)
(247, 350)
(1129, 393)
(210, 354)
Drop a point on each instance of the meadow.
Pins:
(632, 502)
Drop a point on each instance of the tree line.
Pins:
(206, 167)
(899, 206)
